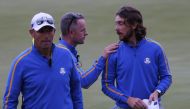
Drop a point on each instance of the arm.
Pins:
(164, 75)
(13, 87)
(108, 86)
(108, 79)
(92, 74)
(76, 93)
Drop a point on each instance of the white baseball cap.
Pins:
(42, 19)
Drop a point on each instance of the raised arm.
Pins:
(92, 74)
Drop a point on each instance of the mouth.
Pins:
(83, 38)
(46, 42)
(119, 33)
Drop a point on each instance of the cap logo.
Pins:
(44, 19)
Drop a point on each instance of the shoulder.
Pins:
(115, 54)
(63, 48)
(21, 58)
(63, 51)
(154, 44)
(60, 46)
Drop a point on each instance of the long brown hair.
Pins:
(133, 16)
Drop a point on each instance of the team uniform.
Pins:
(43, 84)
(138, 72)
(92, 74)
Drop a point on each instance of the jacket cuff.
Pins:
(101, 62)
(124, 99)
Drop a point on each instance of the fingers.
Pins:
(110, 49)
(153, 97)
(136, 103)
(140, 105)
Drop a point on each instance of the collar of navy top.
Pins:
(70, 47)
(35, 50)
(139, 43)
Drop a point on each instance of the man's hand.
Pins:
(110, 49)
(153, 96)
(136, 103)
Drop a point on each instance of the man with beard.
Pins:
(73, 28)
(45, 79)
(139, 67)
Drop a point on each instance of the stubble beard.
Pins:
(127, 36)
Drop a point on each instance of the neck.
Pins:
(45, 52)
(68, 39)
(133, 41)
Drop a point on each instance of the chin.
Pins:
(81, 42)
(120, 38)
(46, 46)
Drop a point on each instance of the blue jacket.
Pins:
(91, 75)
(138, 72)
(43, 84)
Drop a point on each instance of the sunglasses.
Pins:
(44, 19)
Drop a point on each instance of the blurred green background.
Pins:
(167, 22)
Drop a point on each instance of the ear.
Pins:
(134, 26)
(31, 31)
(72, 32)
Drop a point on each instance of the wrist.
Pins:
(104, 55)
(159, 92)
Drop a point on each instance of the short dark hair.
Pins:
(68, 20)
(133, 16)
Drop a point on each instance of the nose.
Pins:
(85, 34)
(116, 28)
(47, 35)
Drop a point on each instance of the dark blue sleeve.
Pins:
(164, 72)
(91, 75)
(13, 86)
(108, 80)
(76, 92)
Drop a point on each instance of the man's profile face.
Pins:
(79, 33)
(43, 38)
(122, 29)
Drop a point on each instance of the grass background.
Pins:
(167, 22)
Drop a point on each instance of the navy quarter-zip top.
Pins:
(136, 72)
(43, 86)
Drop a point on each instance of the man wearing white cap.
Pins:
(45, 79)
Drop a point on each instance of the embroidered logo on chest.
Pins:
(62, 71)
(147, 60)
